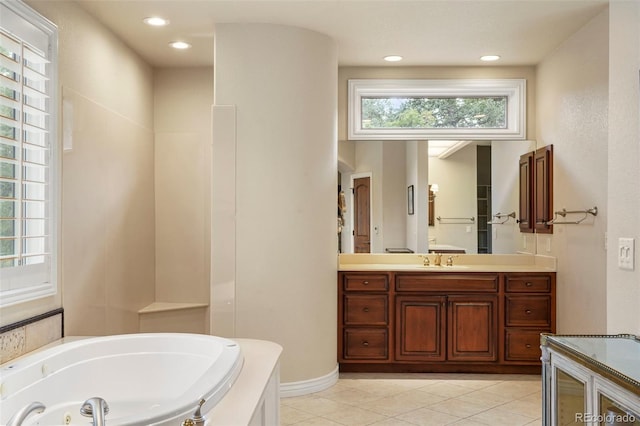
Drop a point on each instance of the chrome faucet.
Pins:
(97, 408)
(23, 413)
(438, 260)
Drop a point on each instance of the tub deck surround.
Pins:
(124, 370)
(461, 262)
(484, 314)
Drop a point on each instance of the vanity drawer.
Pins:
(365, 309)
(528, 311)
(523, 345)
(449, 282)
(366, 343)
(529, 284)
(366, 282)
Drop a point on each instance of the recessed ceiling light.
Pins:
(179, 45)
(393, 58)
(489, 58)
(156, 21)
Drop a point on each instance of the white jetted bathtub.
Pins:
(146, 379)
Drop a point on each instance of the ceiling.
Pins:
(424, 32)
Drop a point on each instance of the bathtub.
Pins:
(146, 379)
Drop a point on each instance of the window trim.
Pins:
(513, 89)
(18, 277)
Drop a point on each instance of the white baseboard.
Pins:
(305, 387)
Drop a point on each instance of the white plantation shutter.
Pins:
(28, 182)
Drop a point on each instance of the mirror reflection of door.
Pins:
(361, 215)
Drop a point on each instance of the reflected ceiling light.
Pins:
(489, 58)
(444, 148)
(156, 21)
(393, 58)
(180, 45)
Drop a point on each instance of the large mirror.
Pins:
(389, 207)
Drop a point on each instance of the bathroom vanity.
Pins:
(483, 313)
(593, 380)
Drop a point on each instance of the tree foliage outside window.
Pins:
(427, 113)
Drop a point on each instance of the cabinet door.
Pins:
(420, 328)
(525, 219)
(473, 328)
(543, 202)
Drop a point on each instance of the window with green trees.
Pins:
(437, 109)
(425, 113)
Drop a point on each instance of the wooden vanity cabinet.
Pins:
(363, 317)
(529, 305)
(451, 317)
(397, 321)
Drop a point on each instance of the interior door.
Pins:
(361, 215)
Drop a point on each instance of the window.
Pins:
(443, 109)
(28, 161)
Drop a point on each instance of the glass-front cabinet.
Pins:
(591, 380)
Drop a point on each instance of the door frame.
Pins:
(351, 238)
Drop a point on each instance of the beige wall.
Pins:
(182, 111)
(572, 115)
(623, 287)
(107, 177)
(274, 206)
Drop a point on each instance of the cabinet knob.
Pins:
(365, 309)
(528, 345)
(528, 284)
(365, 282)
(365, 343)
(527, 311)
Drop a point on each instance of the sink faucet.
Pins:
(438, 260)
(425, 260)
(23, 413)
(97, 408)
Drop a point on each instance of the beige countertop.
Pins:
(461, 263)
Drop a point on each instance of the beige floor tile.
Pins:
(318, 421)
(353, 396)
(419, 399)
(499, 417)
(355, 417)
(392, 422)
(318, 406)
(525, 407)
(428, 417)
(448, 389)
(517, 389)
(393, 405)
(458, 408)
(489, 400)
(291, 416)
(469, 422)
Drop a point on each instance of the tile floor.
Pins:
(419, 399)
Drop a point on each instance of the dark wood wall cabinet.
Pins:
(443, 322)
(536, 191)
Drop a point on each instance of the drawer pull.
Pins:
(528, 311)
(528, 284)
(365, 282)
(365, 343)
(365, 309)
(528, 345)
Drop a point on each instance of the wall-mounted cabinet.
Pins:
(536, 191)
